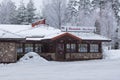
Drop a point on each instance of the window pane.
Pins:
(38, 48)
(19, 48)
(82, 48)
(28, 48)
(68, 47)
(73, 48)
(94, 48)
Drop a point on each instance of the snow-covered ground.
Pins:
(33, 67)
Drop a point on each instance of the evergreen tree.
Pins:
(22, 14)
(30, 12)
(7, 12)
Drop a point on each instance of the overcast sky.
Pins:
(38, 3)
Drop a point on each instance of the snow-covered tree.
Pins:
(116, 8)
(108, 22)
(22, 14)
(54, 12)
(30, 12)
(71, 12)
(85, 13)
(99, 6)
(80, 13)
(7, 12)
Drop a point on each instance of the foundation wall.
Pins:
(8, 52)
(73, 56)
(83, 56)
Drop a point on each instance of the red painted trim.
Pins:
(66, 34)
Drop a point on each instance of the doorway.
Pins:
(60, 52)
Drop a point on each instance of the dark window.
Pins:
(94, 48)
(83, 48)
(19, 48)
(38, 48)
(71, 48)
(28, 48)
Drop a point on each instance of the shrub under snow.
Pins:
(32, 57)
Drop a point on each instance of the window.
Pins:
(73, 47)
(94, 48)
(38, 48)
(28, 48)
(83, 48)
(70, 47)
(67, 47)
(19, 48)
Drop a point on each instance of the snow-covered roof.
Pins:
(90, 36)
(15, 28)
(41, 32)
(7, 34)
(83, 36)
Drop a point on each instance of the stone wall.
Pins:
(8, 52)
(73, 56)
(83, 56)
(48, 56)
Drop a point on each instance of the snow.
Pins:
(118, 13)
(106, 69)
(14, 28)
(83, 36)
(32, 57)
(43, 32)
(91, 0)
(91, 36)
(112, 54)
(7, 34)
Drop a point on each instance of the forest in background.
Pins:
(102, 14)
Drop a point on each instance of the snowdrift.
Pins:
(111, 54)
(32, 57)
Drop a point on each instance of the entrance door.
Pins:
(60, 54)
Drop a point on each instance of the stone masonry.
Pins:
(7, 52)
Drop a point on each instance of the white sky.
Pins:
(38, 3)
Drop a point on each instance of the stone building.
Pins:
(50, 43)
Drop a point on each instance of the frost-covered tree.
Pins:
(108, 22)
(22, 14)
(99, 6)
(7, 12)
(116, 8)
(54, 12)
(80, 13)
(85, 13)
(0, 13)
(71, 12)
(31, 12)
